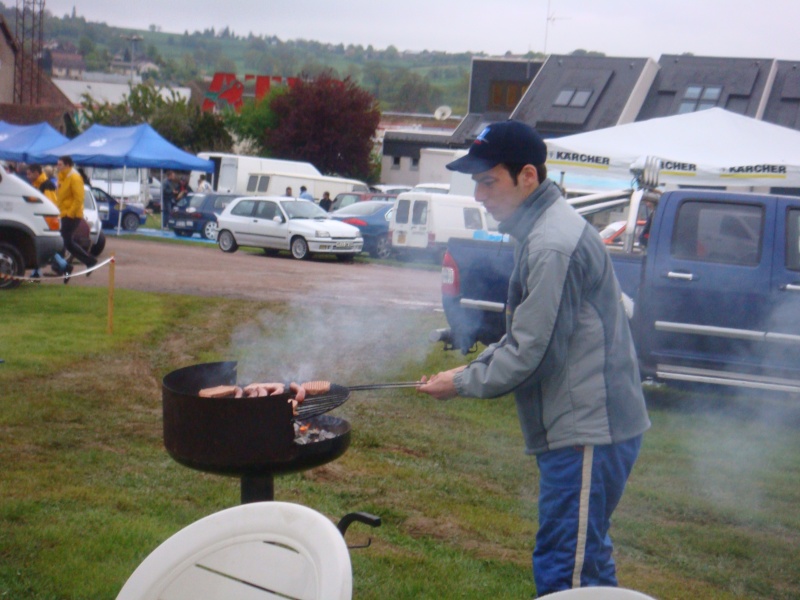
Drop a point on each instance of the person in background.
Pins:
(50, 173)
(567, 356)
(325, 203)
(305, 194)
(69, 198)
(203, 186)
(289, 192)
(170, 192)
(40, 181)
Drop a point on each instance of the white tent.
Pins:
(709, 147)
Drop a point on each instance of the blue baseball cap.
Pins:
(507, 142)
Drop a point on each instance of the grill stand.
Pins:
(257, 488)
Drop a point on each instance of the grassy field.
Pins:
(87, 489)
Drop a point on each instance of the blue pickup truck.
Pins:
(714, 297)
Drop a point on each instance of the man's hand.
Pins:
(441, 385)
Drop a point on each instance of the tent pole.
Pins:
(121, 198)
(163, 222)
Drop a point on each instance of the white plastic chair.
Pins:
(599, 593)
(261, 550)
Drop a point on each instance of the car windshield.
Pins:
(196, 200)
(303, 209)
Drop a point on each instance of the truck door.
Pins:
(708, 293)
(783, 324)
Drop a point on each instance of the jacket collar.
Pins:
(519, 224)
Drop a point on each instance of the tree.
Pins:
(327, 122)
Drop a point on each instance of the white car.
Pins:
(277, 223)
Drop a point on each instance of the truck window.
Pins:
(263, 183)
(252, 181)
(793, 239)
(420, 214)
(402, 211)
(718, 232)
(472, 218)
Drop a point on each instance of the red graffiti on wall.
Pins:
(227, 91)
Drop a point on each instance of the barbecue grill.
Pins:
(250, 438)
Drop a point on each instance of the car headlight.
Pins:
(322, 234)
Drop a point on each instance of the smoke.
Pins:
(348, 345)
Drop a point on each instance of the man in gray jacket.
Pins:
(567, 355)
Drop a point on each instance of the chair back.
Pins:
(256, 551)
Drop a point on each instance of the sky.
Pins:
(647, 28)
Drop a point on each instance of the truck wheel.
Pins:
(226, 241)
(11, 263)
(299, 248)
(130, 222)
(97, 248)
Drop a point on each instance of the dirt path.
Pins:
(206, 271)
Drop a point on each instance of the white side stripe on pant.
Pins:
(583, 515)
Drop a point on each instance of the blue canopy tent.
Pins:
(138, 146)
(20, 142)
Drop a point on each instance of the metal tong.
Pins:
(313, 406)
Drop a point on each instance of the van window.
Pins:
(793, 239)
(251, 183)
(263, 183)
(472, 218)
(420, 214)
(714, 232)
(244, 208)
(402, 211)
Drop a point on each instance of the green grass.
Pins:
(87, 489)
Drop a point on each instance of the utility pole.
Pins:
(133, 38)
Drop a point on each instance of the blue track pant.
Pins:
(579, 488)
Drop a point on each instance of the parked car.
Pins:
(197, 213)
(275, 223)
(348, 198)
(432, 188)
(387, 188)
(133, 214)
(29, 229)
(372, 218)
(94, 213)
(154, 194)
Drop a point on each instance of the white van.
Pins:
(422, 223)
(252, 175)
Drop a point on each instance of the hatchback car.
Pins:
(197, 213)
(274, 223)
(372, 218)
(133, 215)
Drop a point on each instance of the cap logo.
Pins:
(481, 139)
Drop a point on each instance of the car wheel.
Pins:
(11, 263)
(98, 247)
(299, 248)
(382, 248)
(226, 241)
(130, 222)
(209, 230)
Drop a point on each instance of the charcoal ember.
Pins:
(304, 434)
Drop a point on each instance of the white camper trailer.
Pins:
(271, 176)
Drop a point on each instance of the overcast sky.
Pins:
(766, 29)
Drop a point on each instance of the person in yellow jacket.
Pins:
(42, 183)
(69, 199)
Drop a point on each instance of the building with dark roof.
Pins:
(783, 102)
(687, 83)
(572, 94)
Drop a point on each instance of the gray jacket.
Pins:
(568, 353)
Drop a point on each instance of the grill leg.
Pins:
(257, 488)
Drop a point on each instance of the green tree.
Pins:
(327, 122)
